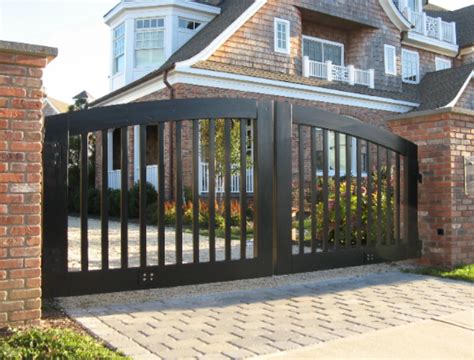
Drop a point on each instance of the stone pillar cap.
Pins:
(28, 49)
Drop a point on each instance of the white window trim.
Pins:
(439, 60)
(388, 48)
(136, 31)
(312, 38)
(405, 51)
(288, 37)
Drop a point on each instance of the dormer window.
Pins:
(149, 42)
(189, 24)
(119, 49)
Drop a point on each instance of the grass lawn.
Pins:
(465, 273)
(58, 337)
(38, 343)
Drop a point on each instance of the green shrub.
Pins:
(134, 199)
(53, 344)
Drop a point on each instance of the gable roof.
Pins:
(464, 19)
(440, 88)
(57, 105)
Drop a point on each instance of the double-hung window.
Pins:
(282, 36)
(119, 49)
(410, 67)
(390, 60)
(149, 42)
(323, 50)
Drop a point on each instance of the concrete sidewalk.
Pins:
(446, 337)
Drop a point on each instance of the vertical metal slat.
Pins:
(325, 190)
(227, 185)
(124, 198)
(301, 208)
(243, 189)
(212, 190)
(314, 183)
(161, 195)
(84, 203)
(359, 192)
(337, 186)
(369, 195)
(142, 197)
(179, 194)
(348, 214)
(379, 196)
(195, 189)
(104, 201)
(397, 199)
(388, 199)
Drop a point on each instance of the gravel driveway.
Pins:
(95, 251)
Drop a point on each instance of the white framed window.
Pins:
(191, 25)
(118, 49)
(149, 42)
(410, 66)
(323, 50)
(282, 36)
(331, 152)
(442, 64)
(390, 59)
(415, 5)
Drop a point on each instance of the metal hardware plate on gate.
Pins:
(52, 155)
(369, 258)
(148, 277)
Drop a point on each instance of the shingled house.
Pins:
(404, 65)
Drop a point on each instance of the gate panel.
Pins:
(178, 130)
(338, 192)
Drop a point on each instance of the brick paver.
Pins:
(243, 324)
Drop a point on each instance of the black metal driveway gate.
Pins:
(377, 223)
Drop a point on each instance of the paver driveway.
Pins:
(242, 324)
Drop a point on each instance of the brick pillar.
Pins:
(21, 137)
(445, 212)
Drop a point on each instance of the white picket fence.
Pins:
(220, 180)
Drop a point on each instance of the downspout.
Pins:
(171, 131)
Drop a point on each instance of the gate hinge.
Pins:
(52, 153)
(419, 178)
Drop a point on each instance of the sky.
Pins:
(77, 29)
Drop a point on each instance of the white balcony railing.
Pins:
(330, 72)
(428, 26)
(220, 183)
(115, 177)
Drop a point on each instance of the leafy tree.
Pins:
(220, 144)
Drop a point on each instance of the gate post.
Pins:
(264, 185)
(283, 185)
(55, 212)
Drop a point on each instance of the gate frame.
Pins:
(273, 177)
(287, 115)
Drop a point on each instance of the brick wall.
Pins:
(446, 213)
(21, 139)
